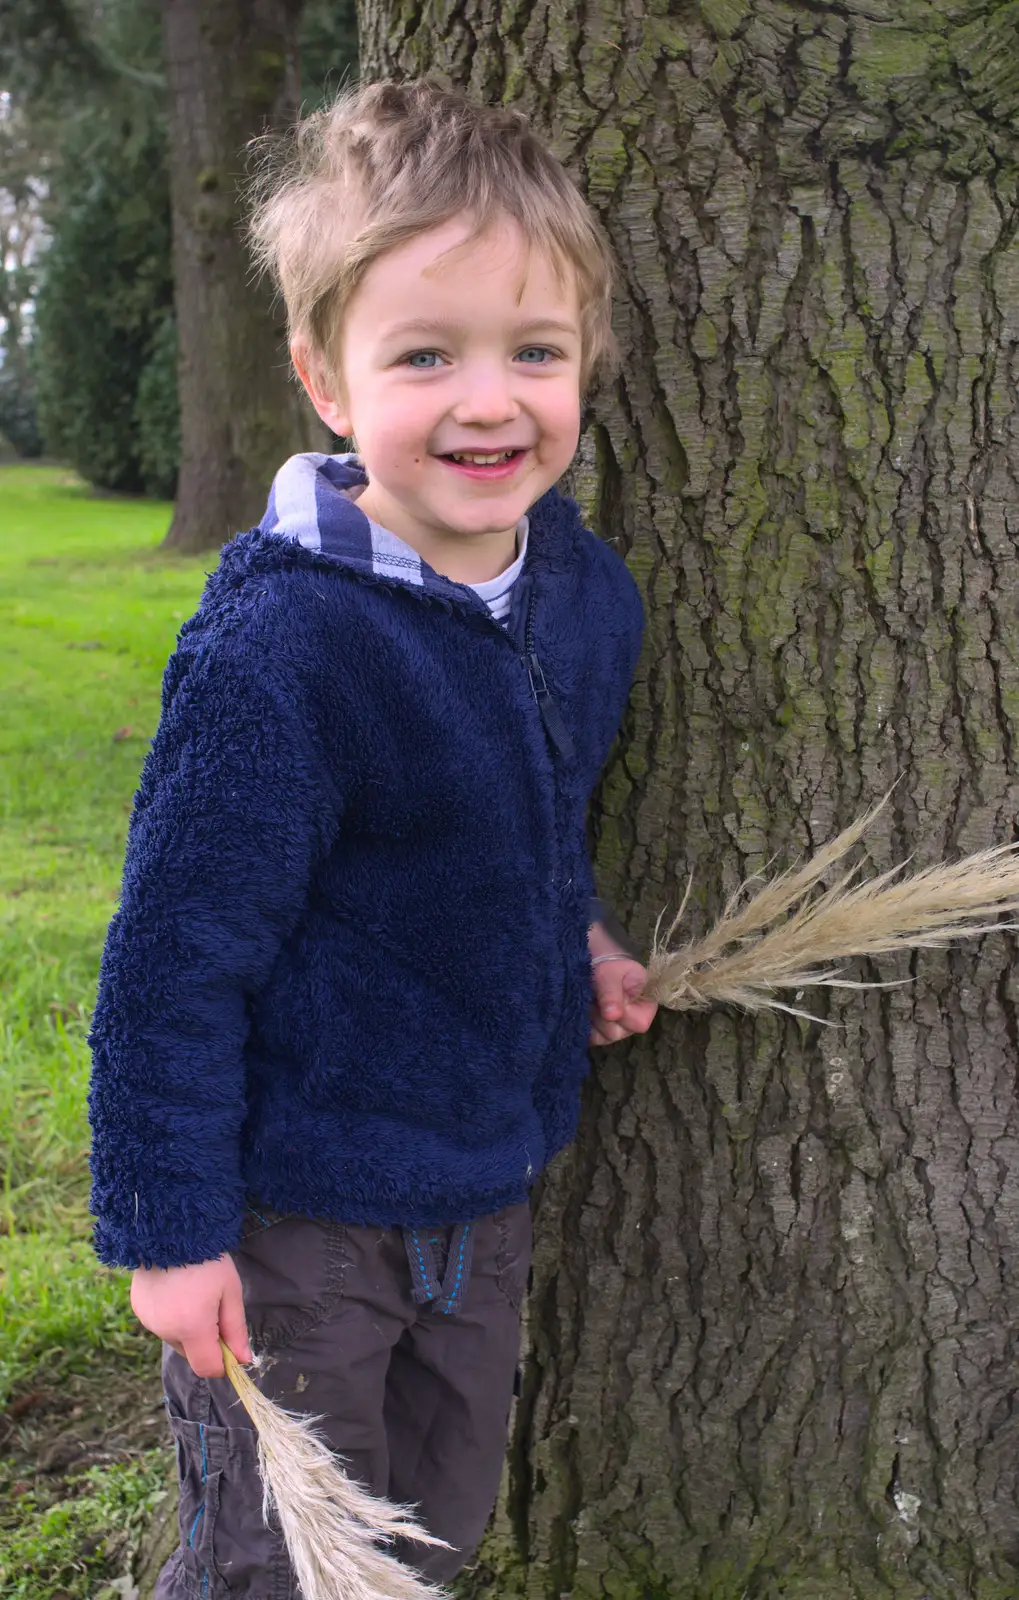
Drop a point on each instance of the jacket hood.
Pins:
(313, 500)
(312, 504)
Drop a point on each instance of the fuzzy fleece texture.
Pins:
(349, 973)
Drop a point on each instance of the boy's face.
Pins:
(450, 350)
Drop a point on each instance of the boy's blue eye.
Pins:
(535, 354)
(423, 360)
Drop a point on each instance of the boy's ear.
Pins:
(321, 387)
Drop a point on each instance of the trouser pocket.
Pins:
(225, 1549)
(291, 1271)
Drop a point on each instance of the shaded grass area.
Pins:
(89, 611)
(70, 1546)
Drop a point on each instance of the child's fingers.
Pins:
(600, 1033)
(610, 992)
(203, 1354)
(636, 1017)
(639, 1015)
(233, 1327)
(632, 981)
(608, 1032)
(618, 1011)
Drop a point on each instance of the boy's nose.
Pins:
(487, 400)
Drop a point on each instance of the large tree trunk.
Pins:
(774, 1311)
(232, 72)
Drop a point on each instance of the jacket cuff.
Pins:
(178, 1233)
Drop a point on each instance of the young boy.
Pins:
(345, 1004)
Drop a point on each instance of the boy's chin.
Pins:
(489, 512)
(488, 530)
(494, 516)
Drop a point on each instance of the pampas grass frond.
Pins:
(746, 957)
(331, 1526)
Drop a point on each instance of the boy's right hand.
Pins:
(192, 1308)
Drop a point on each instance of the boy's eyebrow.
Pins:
(398, 330)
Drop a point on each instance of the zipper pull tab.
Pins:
(551, 716)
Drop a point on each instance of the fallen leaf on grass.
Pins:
(17, 1408)
(122, 734)
(65, 1013)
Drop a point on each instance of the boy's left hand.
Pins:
(617, 1012)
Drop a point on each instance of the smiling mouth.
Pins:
(475, 458)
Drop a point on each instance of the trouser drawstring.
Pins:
(446, 1294)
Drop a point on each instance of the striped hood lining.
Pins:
(313, 499)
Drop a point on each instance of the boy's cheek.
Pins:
(568, 420)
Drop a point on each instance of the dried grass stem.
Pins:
(331, 1526)
(792, 934)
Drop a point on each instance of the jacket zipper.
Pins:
(553, 721)
(562, 744)
(551, 716)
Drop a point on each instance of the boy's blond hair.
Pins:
(388, 161)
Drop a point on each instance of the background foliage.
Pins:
(97, 379)
(105, 305)
(22, 186)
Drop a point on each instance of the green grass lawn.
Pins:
(89, 611)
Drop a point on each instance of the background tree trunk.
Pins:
(777, 1355)
(232, 71)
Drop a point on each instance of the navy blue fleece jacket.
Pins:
(349, 973)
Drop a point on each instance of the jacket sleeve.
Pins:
(232, 809)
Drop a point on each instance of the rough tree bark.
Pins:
(232, 72)
(772, 1326)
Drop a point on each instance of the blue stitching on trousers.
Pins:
(451, 1302)
(205, 1474)
(424, 1270)
(201, 1509)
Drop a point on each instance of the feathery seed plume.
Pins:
(331, 1526)
(792, 934)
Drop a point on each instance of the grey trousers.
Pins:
(405, 1343)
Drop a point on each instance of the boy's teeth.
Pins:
(482, 461)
